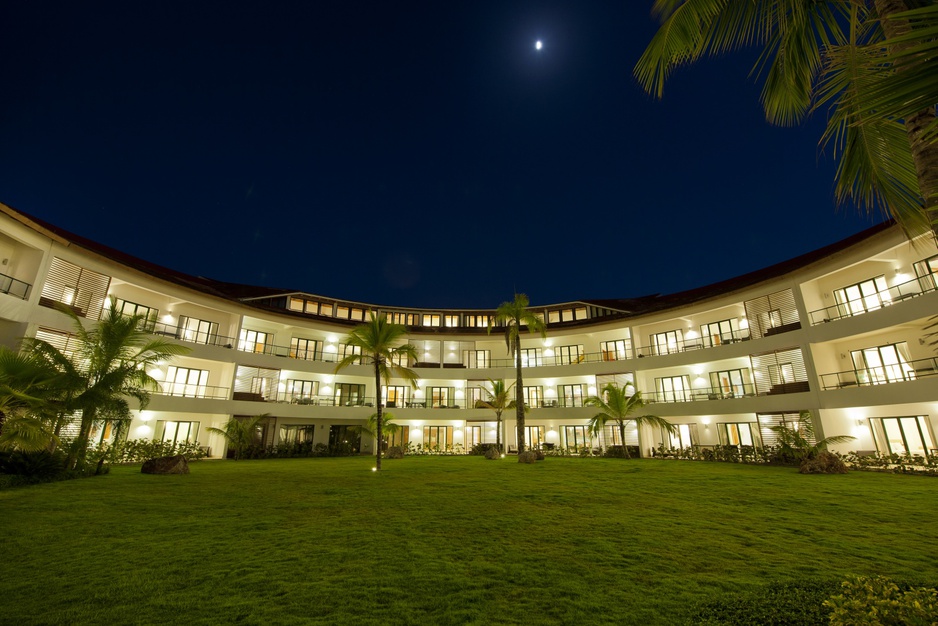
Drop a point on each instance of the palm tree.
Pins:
(871, 62)
(796, 441)
(513, 315)
(497, 400)
(240, 433)
(27, 402)
(371, 427)
(110, 363)
(380, 345)
(615, 404)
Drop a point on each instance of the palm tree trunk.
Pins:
(498, 432)
(379, 423)
(79, 448)
(924, 153)
(519, 394)
(625, 448)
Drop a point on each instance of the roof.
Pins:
(628, 306)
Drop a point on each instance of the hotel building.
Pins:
(840, 332)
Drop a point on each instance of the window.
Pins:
(576, 437)
(903, 435)
(531, 357)
(349, 394)
(570, 395)
(533, 436)
(568, 355)
(196, 331)
(883, 364)
(862, 297)
(532, 396)
(301, 391)
(442, 397)
(684, 436)
(473, 436)
(358, 315)
(580, 313)
(431, 319)
(304, 349)
(553, 317)
(341, 312)
(673, 388)
(474, 396)
(730, 384)
(293, 434)
(129, 309)
(781, 373)
(399, 437)
(451, 321)
(724, 331)
(253, 341)
(616, 350)
(478, 321)
(667, 342)
(739, 434)
(477, 358)
(185, 382)
(345, 350)
(404, 319)
(395, 396)
(438, 437)
(927, 272)
(297, 304)
(178, 432)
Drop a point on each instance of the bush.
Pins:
(824, 463)
(140, 450)
(880, 602)
(480, 449)
(618, 452)
(39, 465)
(777, 604)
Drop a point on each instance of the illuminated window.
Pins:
(253, 341)
(185, 382)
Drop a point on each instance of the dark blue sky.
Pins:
(405, 153)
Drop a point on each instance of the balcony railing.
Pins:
(897, 373)
(873, 302)
(701, 394)
(182, 390)
(699, 343)
(189, 336)
(14, 287)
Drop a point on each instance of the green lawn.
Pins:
(445, 540)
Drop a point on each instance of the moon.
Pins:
(538, 44)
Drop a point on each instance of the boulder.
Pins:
(824, 463)
(166, 465)
(527, 457)
(492, 454)
(539, 454)
(394, 452)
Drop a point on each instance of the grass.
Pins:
(453, 540)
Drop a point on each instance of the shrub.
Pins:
(823, 463)
(777, 604)
(880, 602)
(40, 465)
(140, 450)
(481, 449)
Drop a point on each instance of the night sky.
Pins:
(403, 153)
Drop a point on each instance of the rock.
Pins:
(492, 454)
(394, 452)
(527, 457)
(166, 465)
(539, 455)
(824, 463)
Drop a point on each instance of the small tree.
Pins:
(380, 345)
(371, 427)
(241, 433)
(796, 441)
(513, 315)
(497, 400)
(615, 404)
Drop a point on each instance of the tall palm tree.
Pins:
(872, 63)
(240, 433)
(110, 363)
(513, 315)
(615, 404)
(497, 400)
(381, 347)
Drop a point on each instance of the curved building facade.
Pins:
(840, 332)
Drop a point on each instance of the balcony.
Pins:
(699, 343)
(14, 287)
(873, 301)
(701, 394)
(897, 373)
(182, 390)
